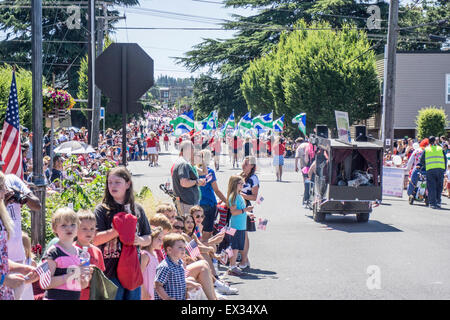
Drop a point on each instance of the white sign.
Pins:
(393, 179)
(343, 126)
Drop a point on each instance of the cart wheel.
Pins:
(362, 217)
(318, 216)
(411, 199)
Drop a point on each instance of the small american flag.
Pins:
(11, 150)
(44, 274)
(262, 224)
(230, 231)
(193, 249)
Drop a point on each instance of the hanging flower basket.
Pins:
(56, 102)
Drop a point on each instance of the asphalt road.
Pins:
(403, 252)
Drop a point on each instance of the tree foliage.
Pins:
(316, 72)
(258, 34)
(431, 121)
(23, 82)
(63, 48)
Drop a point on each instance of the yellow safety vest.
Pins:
(434, 158)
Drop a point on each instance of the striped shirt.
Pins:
(171, 275)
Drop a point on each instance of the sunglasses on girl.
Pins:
(178, 227)
(199, 216)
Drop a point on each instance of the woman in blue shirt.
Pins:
(208, 193)
(238, 219)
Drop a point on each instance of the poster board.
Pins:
(393, 179)
(343, 126)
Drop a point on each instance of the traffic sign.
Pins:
(124, 67)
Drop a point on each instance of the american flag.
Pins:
(193, 249)
(230, 231)
(11, 151)
(44, 274)
(262, 224)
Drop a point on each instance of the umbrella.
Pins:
(74, 147)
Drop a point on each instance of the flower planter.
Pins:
(56, 103)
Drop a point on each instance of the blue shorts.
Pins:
(238, 240)
(210, 213)
(278, 160)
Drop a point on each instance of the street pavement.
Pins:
(403, 252)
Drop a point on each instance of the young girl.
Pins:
(149, 262)
(118, 193)
(29, 261)
(63, 259)
(249, 193)
(238, 219)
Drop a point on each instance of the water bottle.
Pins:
(168, 184)
(85, 257)
(216, 265)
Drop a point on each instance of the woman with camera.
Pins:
(12, 274)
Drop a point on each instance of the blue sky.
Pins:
(161, 45)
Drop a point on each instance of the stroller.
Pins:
(420, 192)
(166, 189)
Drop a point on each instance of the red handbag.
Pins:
(128, 269)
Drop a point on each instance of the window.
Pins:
(447, 88)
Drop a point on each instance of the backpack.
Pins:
(128, 269)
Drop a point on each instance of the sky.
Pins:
(161, 45)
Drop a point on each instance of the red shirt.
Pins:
(96, 260)
(279, 149)
(166, 137)
(151, 143)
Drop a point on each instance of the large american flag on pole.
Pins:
(11, 150)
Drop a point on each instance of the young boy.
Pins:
(170, 282)
(168, 210)
(85, 236)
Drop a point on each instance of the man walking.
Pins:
(185, 179)
(435, 163)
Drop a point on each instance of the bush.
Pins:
(82, 196)
(431, 121)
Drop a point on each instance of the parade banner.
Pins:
(393, 179)
(343, 126)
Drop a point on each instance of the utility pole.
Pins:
(389, 98)
(91, 66)
(38, 185)
(98, 94)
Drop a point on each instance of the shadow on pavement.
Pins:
(350, 225)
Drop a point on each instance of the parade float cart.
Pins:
(347, 177)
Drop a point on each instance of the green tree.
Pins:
(63, 48)
(319, 71)
(431, 121)
(23, 82)
(256, 35)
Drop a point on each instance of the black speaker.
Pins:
(360, 133)
(322, 130)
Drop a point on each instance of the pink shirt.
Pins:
(149, 274)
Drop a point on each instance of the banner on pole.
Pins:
(343, 126)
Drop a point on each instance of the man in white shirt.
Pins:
(19, 194)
